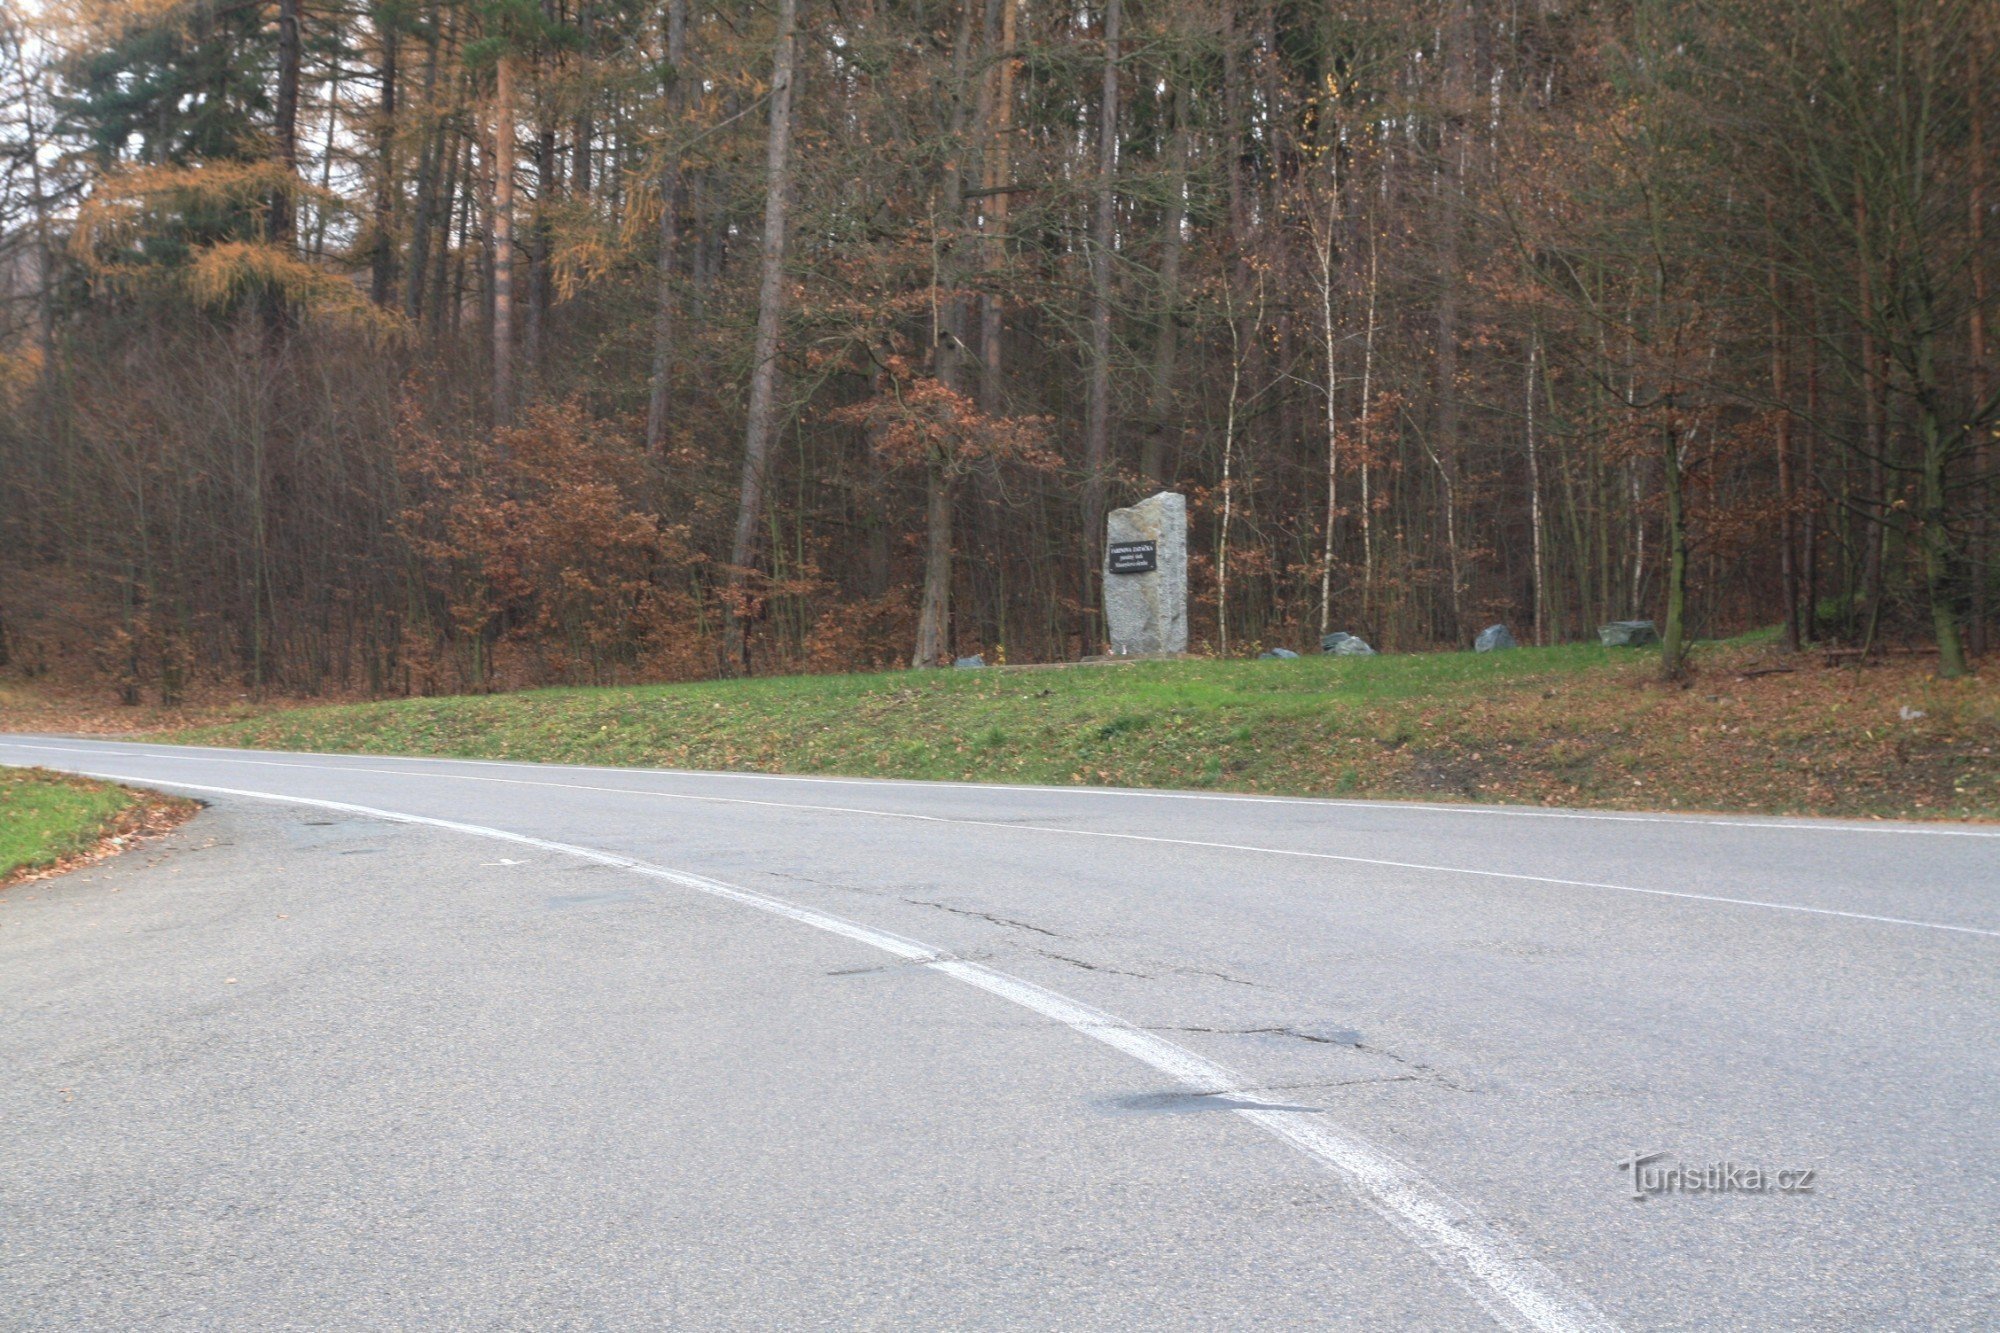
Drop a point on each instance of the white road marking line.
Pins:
(222, 755)
(1517, 1290)
(407, 772)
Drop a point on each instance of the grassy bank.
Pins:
(1572, 725)
(46, 818)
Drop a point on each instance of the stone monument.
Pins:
(1145, 576)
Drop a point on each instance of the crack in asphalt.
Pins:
(1346, 1038)
(984, 916)
(1351, 1040)
(1220, 976)
(1093, 967)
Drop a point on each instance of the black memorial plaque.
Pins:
(1133, 557)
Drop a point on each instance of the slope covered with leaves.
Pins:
(1575, 725)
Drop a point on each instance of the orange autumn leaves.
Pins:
(538, 536)
(915, 419)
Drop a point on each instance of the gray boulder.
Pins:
(1345, 644)
(968, 663)
(1627, 634)
(1492, 639)
(1276, 655)
(1145, 602)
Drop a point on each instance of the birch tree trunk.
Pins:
(1097, 421)
(1324, 251)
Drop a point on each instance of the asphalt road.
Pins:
(437, 1044)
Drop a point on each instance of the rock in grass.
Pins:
(1627, 634)
(1345, 644)
(1492, 639)
(1276, 655)
(968, 663)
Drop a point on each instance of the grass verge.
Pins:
(50, 821)
(1574, 725)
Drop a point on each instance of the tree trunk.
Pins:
(1984, 500)
(934, 605)
(1449, 183)
(1873, 390)
(1541, 601)
(761, 427)
(1673, 640)
(1781, 391)
(948, 349)
(1097, 420)
(1367, 435)
(580, 152)
(285, 127)
(1160, 460)
(1938, 452)
(382, 279)
(1326, 250)
(436, 143)
(1228, 476)
(503, 243)
(664, 300)
(318, 248)
(457, 195)
(999, 154)
(540, 279)
(1809, 620)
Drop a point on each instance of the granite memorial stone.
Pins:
(1145, 576)
(1345, 644)
(1492, 639)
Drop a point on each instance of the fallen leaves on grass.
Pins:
(151, 815)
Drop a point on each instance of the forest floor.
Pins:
(1755, 730)
(50, 822)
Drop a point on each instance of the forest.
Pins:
(441, 346)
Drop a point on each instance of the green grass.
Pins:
(1578, 724)
(1155, 721)
(45, 817)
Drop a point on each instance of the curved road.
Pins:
(399, 1043)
